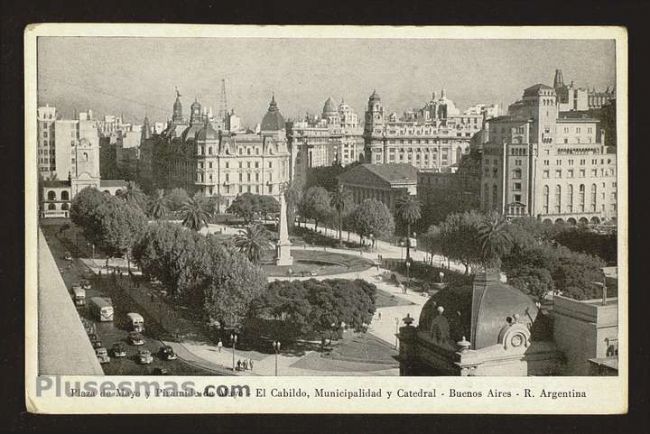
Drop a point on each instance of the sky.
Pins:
(138, 76)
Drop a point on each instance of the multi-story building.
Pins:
(46, 145)
(384, 182)
(433, 137)
(538, 163)
(573, 98)
(74, 162)
(202, 156)
(334, 137)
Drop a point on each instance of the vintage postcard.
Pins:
(326, 219)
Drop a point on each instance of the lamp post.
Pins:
(372, 242)
(396, 332)
(276, 347)
(233, 342)
(408, 274)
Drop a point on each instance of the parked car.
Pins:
(67, 256)
(102, 355)
(167, 353)
(136, 338)
(145, 357)
(85, 284)
(160, 371)
(119, 350)
(136, 322)
(95, 341)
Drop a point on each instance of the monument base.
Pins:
(284, 255)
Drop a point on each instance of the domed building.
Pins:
(490, 328)
(485, 329)
(331, 113)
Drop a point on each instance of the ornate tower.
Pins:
(177, 116)
(195, 113)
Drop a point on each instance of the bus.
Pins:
(102, 308)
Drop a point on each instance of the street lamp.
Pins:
(396, 332)
(372, 242)
(408, 274)
(276, 347)
(233, 342)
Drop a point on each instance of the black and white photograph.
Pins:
(295, 205)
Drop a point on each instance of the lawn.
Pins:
(318, 263)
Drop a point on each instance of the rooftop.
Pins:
(394, 172)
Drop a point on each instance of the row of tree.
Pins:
(524, 249)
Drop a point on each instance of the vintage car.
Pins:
(85, 284)
(67, 256)
(136, 322)
(95, 341)
(78, 295)
(145, 357)
(160, 371)
(167, 353)
(136, 338)
(119, 350)
(102, 355)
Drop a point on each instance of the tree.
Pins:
(292, 195)
(85, 204)
(194, 214)
(494, 239)
(178, 258)
(303, 308)
(176, 198)
(372, 217)
(253, 242)
(133, 195)
(248, 206)
(408, 211)
(120, 228)
(341, 201)
(536, 282)
(432, 241)
(315, 205)
(232, 284)
(459, 238)
(158, 205)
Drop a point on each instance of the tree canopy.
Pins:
(372, 217)
(249, 206)
(315, 204)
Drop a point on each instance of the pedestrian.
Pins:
(239, 365)
(379, 314)
(245, 365)
(219, 345)
(151, 297)
(250, 363)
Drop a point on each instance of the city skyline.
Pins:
(303, 73)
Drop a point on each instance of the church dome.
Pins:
(190, 132)
(273, 120)
(207, 133)
(329, 107)
(479, 313)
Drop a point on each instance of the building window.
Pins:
(581, 197)
(516, 174)
(558, 199)
(51, 195)
(558, 173)
(516, 186)
(494, 196)
(570, 199)
(545, 174)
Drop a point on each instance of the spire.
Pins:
(177, 115)
(558, 81)
(443, 93)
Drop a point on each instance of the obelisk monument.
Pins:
(284, 245)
